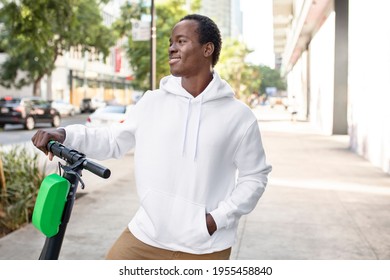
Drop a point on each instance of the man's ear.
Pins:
(208, 49)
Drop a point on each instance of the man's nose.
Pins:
(172, 48)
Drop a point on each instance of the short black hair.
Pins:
(208, 32)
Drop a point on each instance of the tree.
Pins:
(271, 78)
(251, 78)
(35, 32)
(232, 63)
(168, 13)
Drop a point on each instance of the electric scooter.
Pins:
(56, 196)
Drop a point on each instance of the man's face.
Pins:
(185, 52)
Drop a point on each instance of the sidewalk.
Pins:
(322, 202)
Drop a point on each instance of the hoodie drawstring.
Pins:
(186, 125)
(197, 127)
(194, 134)
(191, 107)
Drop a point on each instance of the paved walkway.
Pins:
(322, 202)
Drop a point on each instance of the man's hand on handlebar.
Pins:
(42, 137)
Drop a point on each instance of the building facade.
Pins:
(334, 54)
(226, 14)
(79, 75)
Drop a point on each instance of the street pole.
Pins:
(153, 46)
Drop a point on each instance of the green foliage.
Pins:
(245, 78)
(168, 13)
(23, 176)
(232, 63)
(251, 78)
(271, 78)
(34, 32)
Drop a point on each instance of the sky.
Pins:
(257, 30)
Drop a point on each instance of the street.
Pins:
(13, 134)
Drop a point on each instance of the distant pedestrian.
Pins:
(293, 109)
(253, 100)
(199, 159)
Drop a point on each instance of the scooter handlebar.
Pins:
(72, 156)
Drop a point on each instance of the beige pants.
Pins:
(128, 247)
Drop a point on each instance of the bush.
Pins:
(22, 176)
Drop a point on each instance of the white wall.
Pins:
(60, 84)
(369, 81)
(322, 76)
(296, 88)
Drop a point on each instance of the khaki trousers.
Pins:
(128, 247)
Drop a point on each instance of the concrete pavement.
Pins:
(323, 202)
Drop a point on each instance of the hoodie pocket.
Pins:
(174, 221)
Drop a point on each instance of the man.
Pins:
(190, 136)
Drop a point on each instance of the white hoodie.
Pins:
(187, 154)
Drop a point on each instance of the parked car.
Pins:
(109, 115)
(91, 104)
(28, 111)
(65, 108)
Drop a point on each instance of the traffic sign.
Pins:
(141, 30)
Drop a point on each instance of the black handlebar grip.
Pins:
(59, 150)
(72, 156)
(55, 148)
(97, 169)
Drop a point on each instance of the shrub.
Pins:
(23, 176)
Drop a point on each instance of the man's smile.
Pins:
(173, 59)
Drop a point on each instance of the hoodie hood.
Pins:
(216, 89)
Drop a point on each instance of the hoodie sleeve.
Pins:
(100, 143)
(251, 182)
(104, 142)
